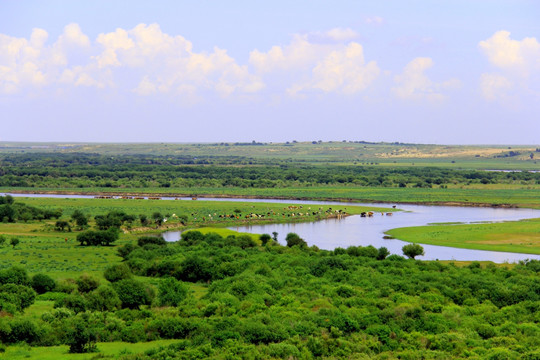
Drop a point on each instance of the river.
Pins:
(356, 230)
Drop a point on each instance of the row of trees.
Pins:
(36, 170)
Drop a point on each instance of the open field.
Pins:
(111, 350)
(42, 249)
(390, 154)
(494, 195)
(512, 236)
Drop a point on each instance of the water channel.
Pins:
(356, 230)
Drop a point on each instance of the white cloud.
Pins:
(494, 86)
(342, 71)
(144, 60)
(327, 66)
(517, 68)
(505, 53)
(374, 20)
(414, 84)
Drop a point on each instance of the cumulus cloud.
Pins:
(144, 60)
(516, 63)
(414, 84)
(342, 71)
(506, 53)
(494, 86)
(328, 66)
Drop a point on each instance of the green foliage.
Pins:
(19, 296)
(80, 337)
(194, 269)
(87, 283)
(293, 239)
(171, 292)
(117, 272)
(104, 298)
(14, 241)
(14, 275)
(43, 283)
(133, 293)
(412, 250)
(80, 219)
(156, 240)
(265, 238)
(100, 237)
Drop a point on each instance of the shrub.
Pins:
(14, 275)
(133, 293)
(195, 269)
(117, 272)
(294, 239)
(104, 298)
(171, 292)
(157, 240)
(87, 283)
(73, 302)
(42, 283)
(265, 238)
(80, 337)
(19, 295)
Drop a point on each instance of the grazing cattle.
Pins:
(363, 214)
(370, 214)
(388, 214)
(394, 206)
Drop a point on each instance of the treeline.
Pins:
(289, 302)
(87, 170)
(11, 211)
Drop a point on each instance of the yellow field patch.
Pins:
(527, 239)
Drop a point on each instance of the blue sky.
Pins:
(454, 72)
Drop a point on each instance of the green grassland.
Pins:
(44, 250)
(386, 154)
(526, 196)
(513, 236)
(110, 350)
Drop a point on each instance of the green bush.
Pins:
(171, 292)
(133, 293)
(117, 272)
(42, 283)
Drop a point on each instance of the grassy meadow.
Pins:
(42, 249)
(512, 236)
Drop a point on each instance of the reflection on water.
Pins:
(355, 230)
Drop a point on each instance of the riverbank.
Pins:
(495, 198)
(512, 236)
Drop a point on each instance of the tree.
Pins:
(61, 225)
(117, 272)
(80, 337)
(2, 240)
(42, 283)
(87, 283)
(412, 250)
(171, 292)
(14, 241)
(80, 219)
(382, 253)
(104, 298)
(133, 293)
(294, 239)
(265, 238)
